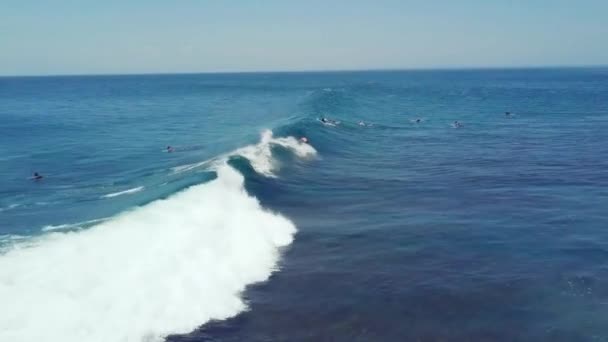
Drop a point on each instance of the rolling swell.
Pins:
(166, 267)
(348, 104)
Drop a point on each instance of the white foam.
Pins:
(203, 164)
(124, 192)
(57, 227)
(259, 155)
(12, 206)
(11, 237)
(78, 225)
(163, 268)
(8, 241)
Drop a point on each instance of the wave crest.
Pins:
(259, 155)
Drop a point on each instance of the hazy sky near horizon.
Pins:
(138, 36)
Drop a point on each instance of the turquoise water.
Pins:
(389, 230)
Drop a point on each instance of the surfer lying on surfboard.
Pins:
(36, 176)
(329, 122)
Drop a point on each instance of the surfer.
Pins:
(36, 176)
(457, 124)
(169, 149)
(304, 140)
(417, 120)
(507, 114)
(329, 122)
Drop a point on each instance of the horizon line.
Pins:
(229, 72)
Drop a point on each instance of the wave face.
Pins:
(163, 268)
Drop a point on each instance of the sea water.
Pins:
(395, 224)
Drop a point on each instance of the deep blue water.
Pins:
(494, 231)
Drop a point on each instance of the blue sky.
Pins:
(138, 36)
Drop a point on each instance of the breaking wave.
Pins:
(259, 155)
(163, 268)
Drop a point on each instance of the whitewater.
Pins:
(164, 268)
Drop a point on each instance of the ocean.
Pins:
(187, 208)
